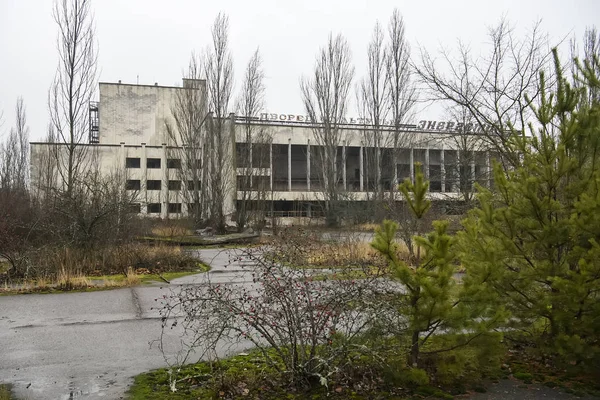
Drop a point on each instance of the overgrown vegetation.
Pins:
(526, 304)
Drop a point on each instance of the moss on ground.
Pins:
(5, 392)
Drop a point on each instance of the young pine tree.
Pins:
(430, 302)
(533, 244)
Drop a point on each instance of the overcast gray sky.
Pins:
(154, 39)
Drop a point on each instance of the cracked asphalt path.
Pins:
(89, 345)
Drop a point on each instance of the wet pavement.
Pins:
(90, 345)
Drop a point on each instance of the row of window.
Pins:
(151, 184)
(156, 208)
(152, 163)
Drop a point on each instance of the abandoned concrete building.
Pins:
(128, 131)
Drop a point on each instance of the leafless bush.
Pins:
(302, 325)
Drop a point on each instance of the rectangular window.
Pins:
(154, 208)
(153, 185)
(435, 178)
(175, 208)
(174, 185)
(132, 184)
(134, 208)
(174, 163)
(153, 163)
(132, 162)
(191, 186)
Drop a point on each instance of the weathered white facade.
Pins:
(128, 131)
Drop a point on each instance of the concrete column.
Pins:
(249, 163)
(378, 173)
(308, 166)
(412, 164)
(472, 170)
(361, 166)
(122, 157)
(202, 182)
(456, 183)
(164, 187)
(395, 165)
(289, 165)
(144, 181)
(488, 168)
(426, 166)
(271, 165)
(344, 165)
(442, 170)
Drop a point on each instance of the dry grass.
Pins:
(171, 231)
(68, 281)
(367, 227)
(131, 278)
(347, 254)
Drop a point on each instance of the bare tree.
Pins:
(469, 163)
(373, 101)
(325, 97)
(401, 88)
(44, 167)
(253, 153)
(14, 153)
(74, 85)
(591, 51)
(219, 80)
(497, 88)
(190, 114)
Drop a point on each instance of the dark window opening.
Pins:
(134, 208)
(174, 163)
(153, 185)
(131, 184)
(153, 163)
(132, 162)
(154, 208)
(175, 208)
(191, 186)
(174, 185)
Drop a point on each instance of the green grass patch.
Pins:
(149, 278)
(5, 392)
(4, 267)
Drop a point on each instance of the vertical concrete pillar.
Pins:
(344, 165)
(456, 182)
(143, 180)
(271, 166)
(395, 172)
(202, 184)
(488, 169)
(412, 164)
(472, 180)
(426, 166)
(308, 166)
(123, 176)
(250, 164)
(442, 170)
(289, 165)
(379, 165)
(164, 187)
(361, 166)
